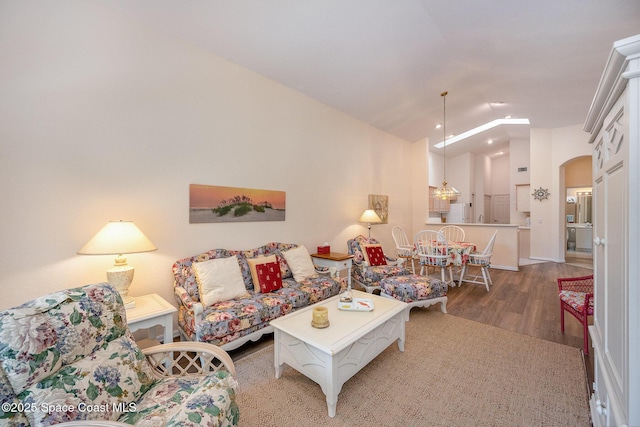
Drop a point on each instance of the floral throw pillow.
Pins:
(269, 276)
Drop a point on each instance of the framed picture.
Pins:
(210, 203)
(380, 204)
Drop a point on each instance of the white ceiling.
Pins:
(386, 62)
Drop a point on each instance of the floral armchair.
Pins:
(69, 357)
(364, 272)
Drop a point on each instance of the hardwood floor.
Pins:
(525, 302)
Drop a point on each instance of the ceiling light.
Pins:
(445, 192)
(439, 125)
(490, 141)
(482, 128)
(508, 116)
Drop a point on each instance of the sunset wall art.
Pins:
(210, 203)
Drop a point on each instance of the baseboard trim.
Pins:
(504, 267)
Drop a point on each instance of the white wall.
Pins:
(419, 185)
(482, 185)
(103, 119)
(518, 157)
(500, 177)
(436, 167)
(550, 149)
(487, 174)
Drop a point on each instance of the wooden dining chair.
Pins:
(404, 248)
(453, 233)
(481, 260)
(432, 249)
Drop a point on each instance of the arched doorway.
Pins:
(575, 212)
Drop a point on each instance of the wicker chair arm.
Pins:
(188, 359)
(93, 423)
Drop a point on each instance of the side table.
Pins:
(336, 260)
(151, 311)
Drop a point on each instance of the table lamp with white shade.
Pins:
(119, 238)
(370, 217)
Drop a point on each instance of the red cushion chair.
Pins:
(576, 297)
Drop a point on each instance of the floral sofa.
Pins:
(231, 322)
(364, 272)
(68, 357)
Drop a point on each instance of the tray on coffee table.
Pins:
(358, 304)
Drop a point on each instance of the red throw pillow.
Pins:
(269, 276)
(375, 255)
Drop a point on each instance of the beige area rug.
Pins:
(453, 372)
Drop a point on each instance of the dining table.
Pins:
(459, 252)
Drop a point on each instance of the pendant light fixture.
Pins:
(445, 192)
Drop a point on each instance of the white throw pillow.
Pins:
(300, 263)
(219, 279)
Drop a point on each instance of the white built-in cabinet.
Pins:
(523, 197)
(614, 124)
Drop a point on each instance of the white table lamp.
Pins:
(370, 217)
(118, 238)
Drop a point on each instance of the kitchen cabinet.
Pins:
(614, 124)
(523, 198)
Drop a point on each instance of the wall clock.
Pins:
(540, 193)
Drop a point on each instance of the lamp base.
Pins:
(120, 277)
(129, 302)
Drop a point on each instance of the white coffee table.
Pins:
(332, 355)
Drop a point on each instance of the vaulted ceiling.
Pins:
(386, 62)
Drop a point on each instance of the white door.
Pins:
(487, 210)
(500, 208)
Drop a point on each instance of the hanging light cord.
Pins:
(444, 135)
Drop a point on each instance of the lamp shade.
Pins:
(118, 237)
(370, 216)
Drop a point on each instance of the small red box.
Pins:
(324, 250)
